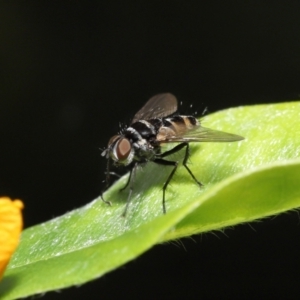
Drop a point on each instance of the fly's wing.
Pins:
(197, 134)
(159, 106)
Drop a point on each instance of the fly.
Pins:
(153, 125)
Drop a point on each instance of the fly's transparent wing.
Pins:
(199, 134)
(159, 106)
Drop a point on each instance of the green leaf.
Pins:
(243, 181)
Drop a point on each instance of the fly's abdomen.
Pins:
(176, 126)
(180, 122)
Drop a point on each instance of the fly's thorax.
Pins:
(144, 128)
(144, 151)
(156, 123)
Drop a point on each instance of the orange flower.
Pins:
(11, 224)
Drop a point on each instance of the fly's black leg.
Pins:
(105, 201)
(131, 181)
(107, 183)
(174, 150)
(126, 185)
(186, 156)
(166, 163)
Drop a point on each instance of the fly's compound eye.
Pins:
(123, 149)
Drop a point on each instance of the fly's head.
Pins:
(120, 150)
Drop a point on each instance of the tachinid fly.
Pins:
(153, 125)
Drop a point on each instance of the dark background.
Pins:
(71, 70)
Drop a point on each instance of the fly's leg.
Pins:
(107, 179)
(131, 181)
(186, 156)
(127, 183)
(164, 162)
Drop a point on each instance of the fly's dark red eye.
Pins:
(123, 149)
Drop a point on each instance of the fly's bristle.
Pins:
(205, 111)
(121, 125)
